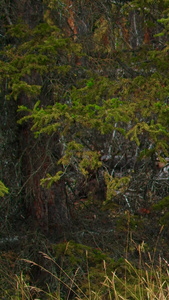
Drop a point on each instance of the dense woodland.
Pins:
(84, 133)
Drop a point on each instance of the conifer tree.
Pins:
(92, 85)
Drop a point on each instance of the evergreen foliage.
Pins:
(90, 82)
(3, 189)
(91, 109)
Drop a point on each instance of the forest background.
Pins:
(84, 132)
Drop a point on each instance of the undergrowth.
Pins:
(75, 271)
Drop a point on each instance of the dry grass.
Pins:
(146, 283)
